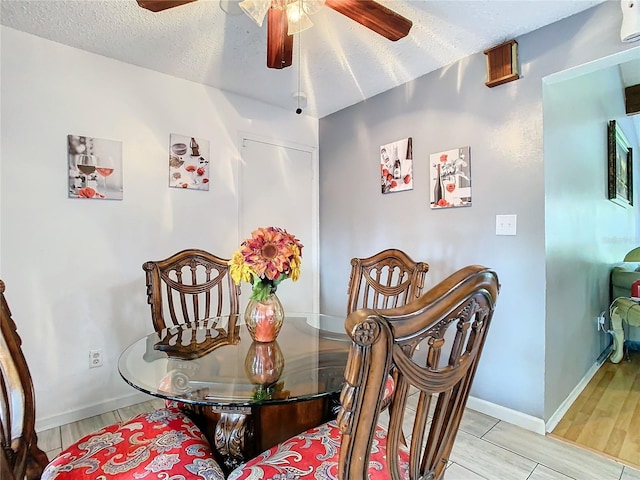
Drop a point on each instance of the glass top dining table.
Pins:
(214, 362)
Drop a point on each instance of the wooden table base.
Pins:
(238, 434)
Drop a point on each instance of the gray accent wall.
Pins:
(543, 340)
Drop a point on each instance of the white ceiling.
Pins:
(339, 62)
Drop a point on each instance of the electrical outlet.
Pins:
(600, 321)
(95, 358)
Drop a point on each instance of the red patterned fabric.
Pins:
(314, 455)
(164, 444)
(389, 388)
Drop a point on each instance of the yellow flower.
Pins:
(295, 270)
(294, 263)
(239, 270)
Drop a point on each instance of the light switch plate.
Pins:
(506, 224)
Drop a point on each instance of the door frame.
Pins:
(312, 254)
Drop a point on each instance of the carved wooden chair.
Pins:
(449, 323)
(20, 456)
(387, 279)
(161, 441)
(189, 286)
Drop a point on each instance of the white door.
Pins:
(278, 187)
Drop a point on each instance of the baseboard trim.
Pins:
(96, 409)
(508, 415)
(564, 406)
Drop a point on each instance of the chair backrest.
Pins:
(433, 346)
(189, 286)
(387, 279)
(20, 456)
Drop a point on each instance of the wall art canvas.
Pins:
(95, 168)
(450, 173)
(188, 162)
(620, 166)
(396, 166)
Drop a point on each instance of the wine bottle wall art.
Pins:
(188, 162)
(95, 168)
(450, 177)
(396, 166)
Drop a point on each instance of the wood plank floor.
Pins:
(485, 449)
(605, 417)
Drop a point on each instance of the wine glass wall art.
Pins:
(396, 166)
(95, 168)
(188, 162)
(450, 173)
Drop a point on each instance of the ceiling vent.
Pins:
(502, 63)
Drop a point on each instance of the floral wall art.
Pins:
(95, 168)
(396, 166)
(450, 173)
(188, 162)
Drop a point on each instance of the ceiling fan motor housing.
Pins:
(368, 13)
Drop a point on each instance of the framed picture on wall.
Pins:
(396, 166)
(188, 162)
(450, 173)
(620, 166)
(95, 168)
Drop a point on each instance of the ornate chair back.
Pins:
(387, 279)
(433, 345)
(20, 456)
(189, 286)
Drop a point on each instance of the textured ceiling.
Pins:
(337, 63)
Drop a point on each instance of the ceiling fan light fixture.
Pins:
(256, 9)
(311, 7)
(297, 19)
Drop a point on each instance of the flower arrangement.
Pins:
(266, 259)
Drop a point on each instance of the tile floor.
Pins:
(485, 448)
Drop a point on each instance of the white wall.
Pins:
(73, 267)
(503, 126)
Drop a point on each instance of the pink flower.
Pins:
(270, 256)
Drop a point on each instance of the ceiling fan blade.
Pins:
(279, 44)
(374, 16)
(159, 5)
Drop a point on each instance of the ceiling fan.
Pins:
(285, 17)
